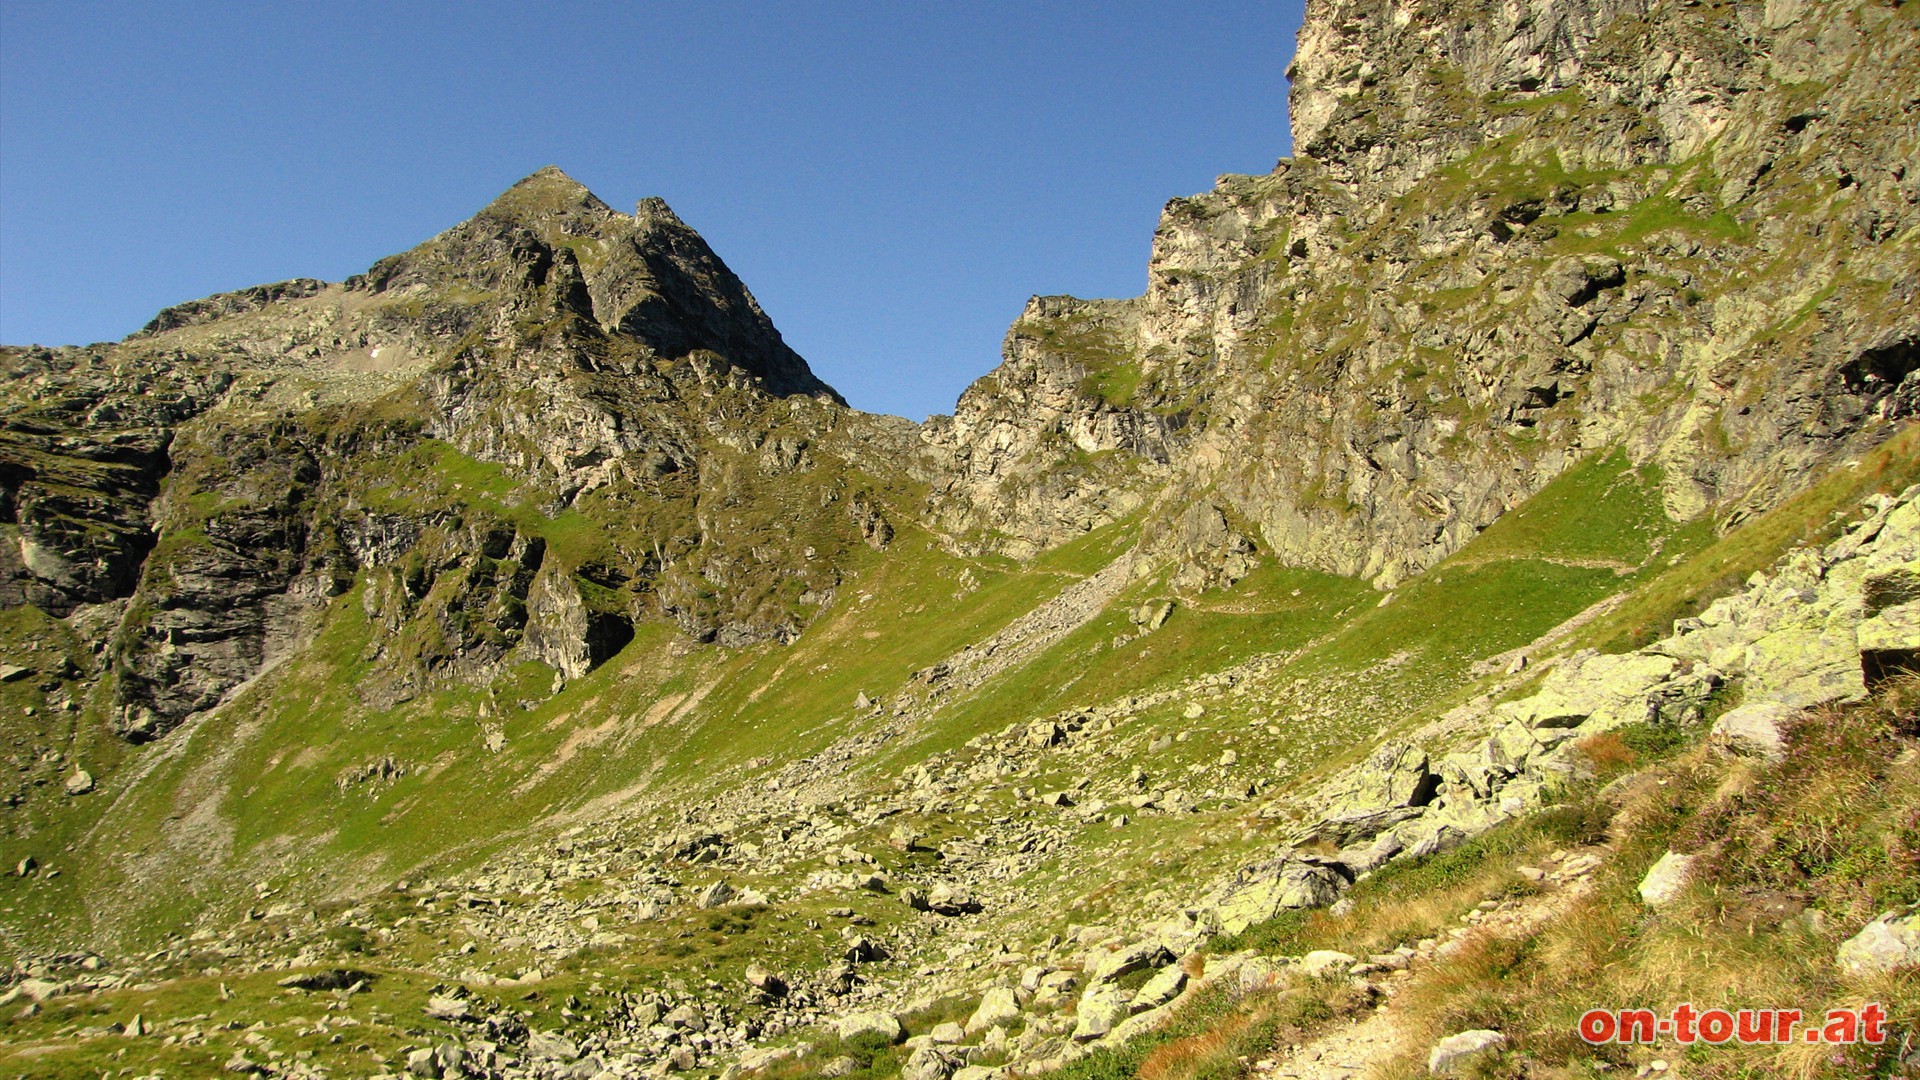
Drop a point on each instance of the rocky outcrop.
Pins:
(564, 633)
(1511, 236)
(1402, 803)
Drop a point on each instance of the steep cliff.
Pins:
(1512, 235)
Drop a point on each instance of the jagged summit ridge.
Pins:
(646, 277)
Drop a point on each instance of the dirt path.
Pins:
(1353, 1049)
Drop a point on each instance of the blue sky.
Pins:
(892, 180)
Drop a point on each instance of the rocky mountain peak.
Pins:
(655, 208)
(548, 199)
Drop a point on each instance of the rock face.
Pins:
(1511, 235)
(1508, 758)
(549, 368)
(1497, 252)
(1262, 891)
(1753, 730)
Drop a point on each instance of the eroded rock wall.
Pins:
(1512, 235)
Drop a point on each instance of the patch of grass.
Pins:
(1602, 509)
(1813, 516)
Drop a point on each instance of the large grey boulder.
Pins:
(1595, 690)
(1883, 945)
(1165, 985)
(448, 1008)
(883, 1024)
(1451, 1055)
(926, 1063)
(1805, 665)
(1396, 775)
(1327, 962)
(1123, 962)
(998, 1007)
(1753, 730)
(1889, 643)
(1101, 1008)
(551, 1046)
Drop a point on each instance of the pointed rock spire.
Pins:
(544, 195)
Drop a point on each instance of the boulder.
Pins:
(765, 981)
(327, 979)
(1395, 776)
(1451, 1055)
(1347, 829)
(927, 1063)
(1124, 962)
(1883, 945)
(448, 1008)
(1753, 730)
(1101, 1008)
(1665, 881)
(1327, 962)
(883, 1024)
(1165, 985)
(34, 990)
(997, 1007)
(714, 895)
(1805, 665)
(1889, 643)
(949, 900)
(551, 1046)
(948, 1034)
(80, 782)
(1588, 687)
(1361, 860)
(1508, 749)
(1262, 891)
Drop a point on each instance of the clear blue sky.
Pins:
(892, 180)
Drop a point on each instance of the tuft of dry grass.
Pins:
(1607, 754)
